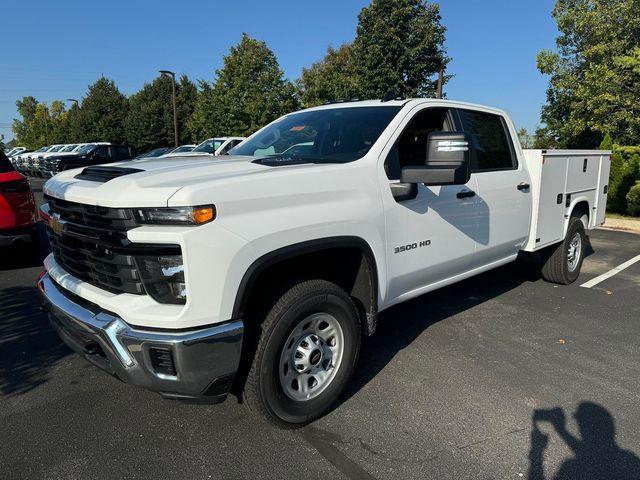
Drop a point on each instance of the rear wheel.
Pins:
(562, 262)
(305, 355)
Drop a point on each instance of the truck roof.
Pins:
(409, 101)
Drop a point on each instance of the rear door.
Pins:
(504, 208)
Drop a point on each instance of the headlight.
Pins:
(176, 215)
(163, 278)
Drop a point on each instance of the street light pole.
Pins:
(173, 97)
(74, 101)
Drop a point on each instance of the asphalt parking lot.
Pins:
(457, 384)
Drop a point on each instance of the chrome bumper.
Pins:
(205, 360)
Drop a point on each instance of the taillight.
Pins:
(15, 186)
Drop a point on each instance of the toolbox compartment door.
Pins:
(550, 221)
(603, 188)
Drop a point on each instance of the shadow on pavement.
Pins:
(399, 326)
(28, 344)
(26, 256)
(596, 456)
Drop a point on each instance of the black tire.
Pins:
(555, 267)
(263, 393)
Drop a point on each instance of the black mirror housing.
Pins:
(448, 161)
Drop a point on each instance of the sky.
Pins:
(53, 50)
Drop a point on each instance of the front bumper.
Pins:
(205, 360)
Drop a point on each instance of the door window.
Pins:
(411, 147)
(492, 145)
(102, 152)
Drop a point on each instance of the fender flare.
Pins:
(310, 246)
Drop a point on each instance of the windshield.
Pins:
(209, 146)
(86, 148)
(56, 148)
(68, 148)
(333, 135)
(183, 148)
(154, 153)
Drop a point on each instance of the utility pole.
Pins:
(440, 62)
(173, 97)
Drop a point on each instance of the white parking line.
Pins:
(610, 273)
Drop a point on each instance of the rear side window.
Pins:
(492, 146)
(5, 164)
(122, 152)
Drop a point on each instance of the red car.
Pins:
(17, 206)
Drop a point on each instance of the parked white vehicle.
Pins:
(15, 151)
(262, 271)
(215, 146)
(179, 151)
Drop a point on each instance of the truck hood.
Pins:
(153, 182)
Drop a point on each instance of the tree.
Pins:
(149, 122)
(103, 113)
(248, 92)
(594, 85)
(396, 46)
(526, 140)
(27, 131)
(186, 95)
(331, 78)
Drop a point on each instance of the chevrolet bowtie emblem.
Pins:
(58, 226)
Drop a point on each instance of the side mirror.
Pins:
(447, 162)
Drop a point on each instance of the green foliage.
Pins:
(594, 85)
(395, 45)
(633, 200)
(103, 113)
(607, 143)
(624, 174)
(149, 122)
(248, 92)
(31, 131)
(331, 78)
(526, 140)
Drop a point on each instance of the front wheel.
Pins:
(562, 262)
(305, 355)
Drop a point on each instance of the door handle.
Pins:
(466, 194)
(523, 186)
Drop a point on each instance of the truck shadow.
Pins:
(400, 325)
(28, 344)
(30, 347)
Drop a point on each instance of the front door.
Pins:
(431, 234)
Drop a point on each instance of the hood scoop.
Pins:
(104, 174)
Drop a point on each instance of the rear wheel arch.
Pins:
(582, 211)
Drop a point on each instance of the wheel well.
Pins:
(347, 263)
(581, 210)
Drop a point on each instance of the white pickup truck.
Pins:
(259, 273)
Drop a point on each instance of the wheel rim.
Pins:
(574, 252)
(311, 357)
